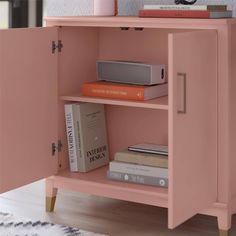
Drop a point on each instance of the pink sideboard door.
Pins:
(192, 124)
(28, 106)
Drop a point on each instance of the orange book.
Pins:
(124, 91)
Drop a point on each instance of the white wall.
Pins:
(126, 7)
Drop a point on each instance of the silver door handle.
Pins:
(181, 93)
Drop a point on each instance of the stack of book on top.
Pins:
(186, 11)
(142, 164)
(128, 81)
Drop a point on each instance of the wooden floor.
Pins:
(102, 215)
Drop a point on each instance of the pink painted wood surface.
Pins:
(149, 45)
(96, 183)
(1, 125)
(120, 21)
(232, 109)
(158, 103)
(193, 135)
(129, 125)
(224, 84)
(28, 106)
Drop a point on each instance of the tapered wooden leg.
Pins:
(224, 222)
(50, 204)
(51, 193)
(224, 233)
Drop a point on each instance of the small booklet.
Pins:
(149, 148)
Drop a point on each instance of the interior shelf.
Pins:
(96, 183)
(157, 103)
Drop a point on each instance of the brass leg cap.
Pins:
(224, 233)
(50, 204)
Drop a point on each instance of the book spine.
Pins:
(147, 151)
(71, 137)
(145, 159)
(186, 7)
(175, 13)
(138, 169)
(79, 139)
(117, 92)
(138, 179)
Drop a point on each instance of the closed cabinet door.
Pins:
(192, 124)
(28, 106)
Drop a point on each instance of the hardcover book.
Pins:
(136, 169)
(137, 179)
(149, 148)
(124, 91)
(142, 158)
(204, 14)
(72, 148)
(87, 136)
(185, 7)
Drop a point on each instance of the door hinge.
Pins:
(56, 147)
(57, 46)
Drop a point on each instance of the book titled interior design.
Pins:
(86, 135)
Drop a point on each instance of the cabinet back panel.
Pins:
(149, 45)
(128, 125)
(77, 61)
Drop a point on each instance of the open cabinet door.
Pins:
(28, 106)
(192, 124)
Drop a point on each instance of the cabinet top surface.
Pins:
(119, 21)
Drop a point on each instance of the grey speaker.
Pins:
(131, 72)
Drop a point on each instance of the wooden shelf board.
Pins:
(96, 183)
(131, 21)
(157, 103)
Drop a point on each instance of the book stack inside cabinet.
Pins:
(145, 164)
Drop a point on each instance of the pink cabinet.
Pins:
(45, 68)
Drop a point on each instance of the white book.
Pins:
(185, 7)
(72, 148)
(138, 179)
(137, 169)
